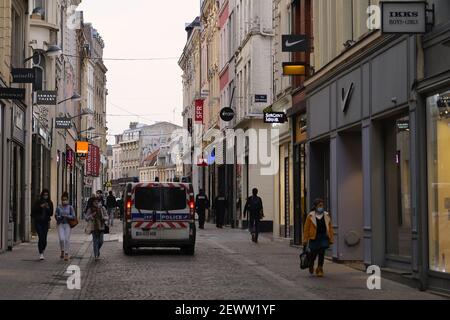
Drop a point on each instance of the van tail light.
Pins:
(192, 208)
(128, 210)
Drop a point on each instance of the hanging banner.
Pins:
(199, 104)
(93, 161)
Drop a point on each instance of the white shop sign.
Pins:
(404, 17)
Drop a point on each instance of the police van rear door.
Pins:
(176, 218)
(146, 213)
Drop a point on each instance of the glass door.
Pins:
(397, 141)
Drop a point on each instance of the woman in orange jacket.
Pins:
(318, 235)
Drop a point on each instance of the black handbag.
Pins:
(305, 259)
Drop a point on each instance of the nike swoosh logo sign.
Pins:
(346, 98)
(291, 44)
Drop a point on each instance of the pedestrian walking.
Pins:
(97, 218)
(220, 205)
(201, 205)
(318, 235)
(100, 196)
(254, 209)
(41, 215)
(111, 204)
(64, 214)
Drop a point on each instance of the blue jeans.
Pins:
(254, 225)
(97, 241)
(42, 232)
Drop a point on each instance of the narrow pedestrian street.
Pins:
(227, 265)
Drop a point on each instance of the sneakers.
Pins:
(41, 257)
(311, 270)
(319, 272)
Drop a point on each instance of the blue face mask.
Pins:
(320, 210)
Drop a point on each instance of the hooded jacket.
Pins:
(310, 230)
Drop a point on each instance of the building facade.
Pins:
(376, 123)
(15, 123)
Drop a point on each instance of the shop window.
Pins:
(438, 139)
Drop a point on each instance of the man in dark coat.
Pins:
(254, 207)
(41, 214)
(220, 205)
(201, 204)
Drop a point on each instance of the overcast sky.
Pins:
(142, 29)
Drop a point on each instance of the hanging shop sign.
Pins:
(93, 161)
(407, 17)
(12, 93)
(46, 98)
(82, 148)
(227, 114)
(294, 69)
(275, 117)
(295, 43)
(63, 123)
(70, 157)
(199, 105)
(23, 75)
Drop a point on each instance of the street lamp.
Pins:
(74, 98)
(87, 130)
(52, 51)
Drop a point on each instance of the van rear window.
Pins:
(160, 199)
(147, 199)
(174, 199)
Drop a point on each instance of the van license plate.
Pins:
(146, 233)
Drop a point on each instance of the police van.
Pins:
(160, 215)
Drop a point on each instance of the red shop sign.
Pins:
(199, 104)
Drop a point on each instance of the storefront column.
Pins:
(334, 194)
(367, 190)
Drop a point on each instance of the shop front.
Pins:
(362, 155)
(433, 100)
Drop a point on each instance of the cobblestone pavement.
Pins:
(227, 265)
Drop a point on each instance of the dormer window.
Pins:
(38, 9)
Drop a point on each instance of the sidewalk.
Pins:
(34, 279)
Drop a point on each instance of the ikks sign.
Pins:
(404, 17)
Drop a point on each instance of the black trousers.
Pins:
(220, 217)
(42, 231)
(201, 218)
(254, 225)
(318, 254)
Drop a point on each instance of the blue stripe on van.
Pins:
(161, 217)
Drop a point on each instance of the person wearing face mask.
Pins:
(64, 213)
(41, 215)
(97, 217)
(318, 235)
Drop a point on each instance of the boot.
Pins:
(319, 272)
